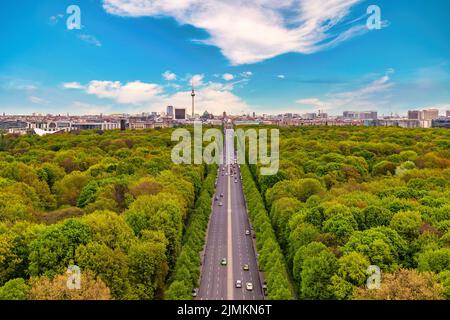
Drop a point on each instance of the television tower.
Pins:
(193, 99)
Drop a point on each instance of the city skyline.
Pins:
(133, 59)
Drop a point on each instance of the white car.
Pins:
(238, 284)
(220, 204)
(247, 232)
(223, 262)
(249, 286)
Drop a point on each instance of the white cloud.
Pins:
(228, 77)
(368, 97)
(37, 100)
(169, 76)
(90, 39)
(197, 80)
(72, 85)
(263, 29)
(214, 97)
(138, 96)
(130, 93)
(281, 76)
(246, 74)
(53, 20)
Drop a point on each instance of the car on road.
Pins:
(220, 204)
(223, 262)
(249, 286)
(221, 195)
(216, 198)
(223, 174)
(245, 267)
(194, 292)
(247, 232)
(238, 284)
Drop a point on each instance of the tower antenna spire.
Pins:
(193, 97)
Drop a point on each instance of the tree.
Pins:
(383, 168)
(178, 290)
(12, 207)
(374, 216)
(109, 228)
(310, 250)
(407, 224)
(316, 276)
(300, 189)
(54, 250)
(158, 212)
(376, 246)
(434, 260)
(68, 188)
(341, 224)
(444, 279)
(405, 284)
(9, 260)
(351, 273)
(15, 289)
(92, 288)
(110, 265)
(148, 268)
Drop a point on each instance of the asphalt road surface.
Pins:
(227, 239)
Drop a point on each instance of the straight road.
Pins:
(227, 239)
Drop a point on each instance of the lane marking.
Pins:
(230, 275)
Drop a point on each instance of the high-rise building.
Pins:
(368, 115)
(430, 114)
(169, 111)
(447, 113)
(180, 114)
(360, 115)
(350, 115)
(414, 115)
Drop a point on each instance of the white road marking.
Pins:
(230, 277)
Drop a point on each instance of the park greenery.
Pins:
(112, 203)
(347, 198)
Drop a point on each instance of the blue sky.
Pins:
(268, 56)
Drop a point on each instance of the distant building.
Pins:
(441, 123)
(169, 111)
(310, 116)
(12, 124)
(429, 114)
(360, 115)
(402, 123)
(447, 113)
(368, 115)
(350, 115)
(95, 125)
(180, 114)
(123, 124)
(414, 115)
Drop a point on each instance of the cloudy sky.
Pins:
(268, 56)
